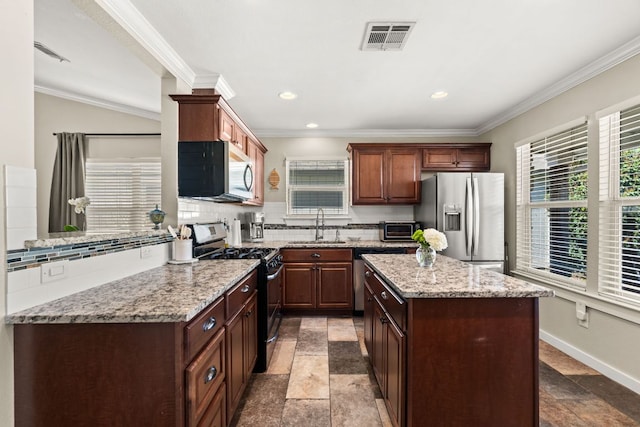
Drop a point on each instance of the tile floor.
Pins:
(320, 376)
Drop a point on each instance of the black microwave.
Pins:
(397, 231)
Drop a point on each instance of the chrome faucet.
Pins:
(319, 235)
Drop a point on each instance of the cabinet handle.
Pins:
(248, 313)
(315, 255)
(369, 299)
(245, 289)
(209, 324)
(210, 375)
(383, 294)
(383, 320)
(367, 274)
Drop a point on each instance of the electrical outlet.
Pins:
(54, 271)
(582, 314)
(145, 252)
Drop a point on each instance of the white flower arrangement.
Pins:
(431, 238)
(79, 204)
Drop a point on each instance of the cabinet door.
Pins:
(368, 187)
(394, 356)
(377, 344)
(439, 159)
(226, 126)
(368, 318)
(240, 139)
(403, 176)
(251, 335)
(473, 159)
(215, 415)
(298, 286)
(334, 285)
(235, 362)
(257, 157)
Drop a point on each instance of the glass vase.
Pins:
(426, 256)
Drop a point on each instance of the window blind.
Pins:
(619, 204)
(122, 193)
(313, 184)
(551, 211)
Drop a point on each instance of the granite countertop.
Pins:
(449, 278)
(76, 237)
(170, 293)
(347, 244)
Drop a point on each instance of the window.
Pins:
(551, 217)
(313, 184)
(122, 193)
(619, 201)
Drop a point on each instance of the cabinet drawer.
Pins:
(215, 414)
(204, 376)
(200, 329)
(316, 255)
(240, 293)
(390, 301)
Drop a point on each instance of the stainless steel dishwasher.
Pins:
(358, 271)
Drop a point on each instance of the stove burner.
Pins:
(241, 253)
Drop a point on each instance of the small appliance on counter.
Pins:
(256, 226)
(397, 231)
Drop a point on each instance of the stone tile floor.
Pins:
(320, 376)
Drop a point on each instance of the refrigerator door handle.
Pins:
(468, 230)
(476, 216)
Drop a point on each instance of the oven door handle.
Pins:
(274, 275)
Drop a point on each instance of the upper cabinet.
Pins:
(205, 116)
(472, 157)
(385, 174)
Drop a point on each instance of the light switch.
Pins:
(54, 271)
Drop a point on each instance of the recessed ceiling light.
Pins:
(439, 94)
(287, 95)
(312, 125)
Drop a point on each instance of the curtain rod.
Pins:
(119, 134)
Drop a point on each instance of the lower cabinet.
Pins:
(386, 344)
(138, 374)
(453, 361)
(317, 280)
(242, 339)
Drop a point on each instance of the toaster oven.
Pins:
(397, 231)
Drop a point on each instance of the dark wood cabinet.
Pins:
(385, 342)
(256, 151)
(242, 339)
(384, 174)
(205, 116)
(430, 354)
(472, 157)
(317, 280)
(138, 374)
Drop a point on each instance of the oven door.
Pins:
(274, 302)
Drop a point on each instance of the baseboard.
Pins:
(605, 369)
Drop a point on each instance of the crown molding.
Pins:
(101, 103)
(130, 18)
(214, 80)
(608, 61)
(363, 133)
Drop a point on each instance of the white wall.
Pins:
(16, 149)
(53, 114)
(613, 337)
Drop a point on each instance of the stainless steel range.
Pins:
(208, 243)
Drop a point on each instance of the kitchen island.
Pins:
(452, 345)
(171, 346)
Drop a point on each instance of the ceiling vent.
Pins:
(386, 35)
(42, 48)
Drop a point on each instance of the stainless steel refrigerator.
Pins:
(469, 209)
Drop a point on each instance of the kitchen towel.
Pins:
(236, 233)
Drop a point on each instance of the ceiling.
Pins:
(495, 58)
